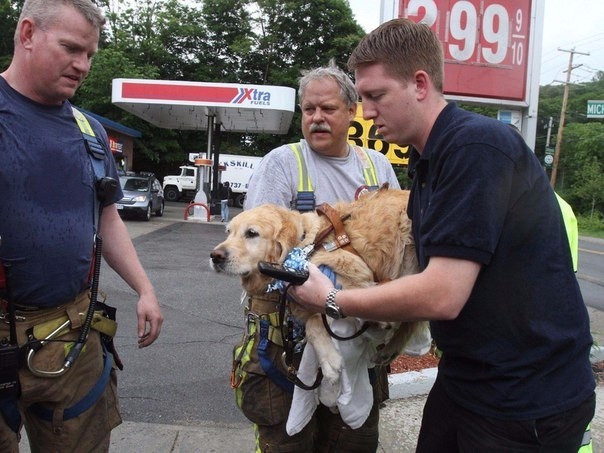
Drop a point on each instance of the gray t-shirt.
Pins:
(334, 178)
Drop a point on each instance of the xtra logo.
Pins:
(253, 96)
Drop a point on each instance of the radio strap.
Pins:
(96, 155)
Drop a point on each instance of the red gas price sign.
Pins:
(485, 43)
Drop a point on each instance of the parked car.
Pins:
(143, 195)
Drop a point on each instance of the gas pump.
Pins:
(204, 186)
(204, 168)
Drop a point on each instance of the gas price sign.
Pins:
(485, 42)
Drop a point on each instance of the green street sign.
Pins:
(595, 109)
(548, 160)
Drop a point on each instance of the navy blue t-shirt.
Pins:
(520, 347)
(46, 199)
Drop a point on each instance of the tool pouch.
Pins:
(110, 312)
(9, 370)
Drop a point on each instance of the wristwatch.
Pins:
(331, 308)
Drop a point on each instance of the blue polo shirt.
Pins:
(46, 199)
(520, 347)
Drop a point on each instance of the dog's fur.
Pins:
(379, 230)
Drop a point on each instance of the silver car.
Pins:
(143, 195)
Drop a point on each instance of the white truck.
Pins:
(238, 171)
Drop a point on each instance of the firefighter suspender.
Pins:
(305, 200)
(97, 158)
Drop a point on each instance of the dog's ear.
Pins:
(310, 222)
(290, 232)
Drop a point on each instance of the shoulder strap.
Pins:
(96, 155)
(368, 168)
(305, 199)
(304, 182)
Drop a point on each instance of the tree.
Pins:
(581, 166)
(592, 188)
(9, 14)
(296, 35)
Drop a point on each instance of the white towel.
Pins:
(354, 396)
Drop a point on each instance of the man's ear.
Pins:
(26, 32)
(352, 111)
(422, 83)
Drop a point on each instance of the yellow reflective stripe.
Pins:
(586, 443)
(304, 182)
(257, 439)
(368, 168)
(83, 123)
(99, 322)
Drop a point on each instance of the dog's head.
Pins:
(265, 233)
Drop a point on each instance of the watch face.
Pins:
(332, 312)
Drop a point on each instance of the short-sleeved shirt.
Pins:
(46, 199)
(519, 348)
(334, 179)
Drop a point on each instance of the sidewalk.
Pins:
(400, 420)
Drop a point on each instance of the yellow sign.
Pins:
(363, 133)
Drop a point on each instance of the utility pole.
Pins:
(549, 132)
(563, 114)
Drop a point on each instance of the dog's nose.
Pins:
(218, 255)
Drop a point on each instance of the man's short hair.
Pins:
(403, 47)
(45, 12)
(347, 90)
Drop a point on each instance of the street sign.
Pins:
(595, 109)
(548, 159)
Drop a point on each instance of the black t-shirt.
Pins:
(520, 347)
(46, 198)
(224, 192)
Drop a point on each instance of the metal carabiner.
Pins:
(31, 353)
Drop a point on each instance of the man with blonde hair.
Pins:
(58, 182)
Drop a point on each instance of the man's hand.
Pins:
(149, 315)
(311, 295)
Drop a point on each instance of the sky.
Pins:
(568, 25)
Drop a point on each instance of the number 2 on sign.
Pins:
(469, 36)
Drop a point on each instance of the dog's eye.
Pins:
(251, 233)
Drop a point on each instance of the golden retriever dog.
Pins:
(380, 232)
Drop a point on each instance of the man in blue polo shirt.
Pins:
(497, 281)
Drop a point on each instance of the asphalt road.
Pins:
(591, 271)
(183, 378)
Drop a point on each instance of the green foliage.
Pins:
(581, 163)
(9, 14)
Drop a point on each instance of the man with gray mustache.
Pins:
(336, 172)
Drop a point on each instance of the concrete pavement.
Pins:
(400, 419)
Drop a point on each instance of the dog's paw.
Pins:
(329, 394)
(331, 368)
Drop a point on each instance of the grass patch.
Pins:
(591, 226)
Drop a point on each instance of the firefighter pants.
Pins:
(89, 431)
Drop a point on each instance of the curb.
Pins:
(419, 383)
(411, 383)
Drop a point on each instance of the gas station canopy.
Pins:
(187, 105)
